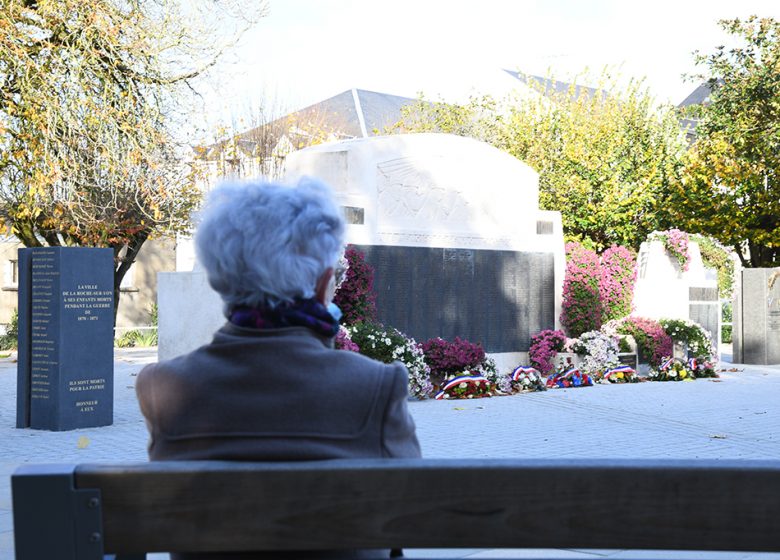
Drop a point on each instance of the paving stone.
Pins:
(736, 417)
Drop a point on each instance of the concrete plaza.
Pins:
(734, 417)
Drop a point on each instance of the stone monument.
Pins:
(65, 372)
(756, 328)
(453, 229)
(664, 291)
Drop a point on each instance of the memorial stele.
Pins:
(65, 370)
(463, 198)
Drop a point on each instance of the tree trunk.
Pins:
(123, 262)
(761, 256)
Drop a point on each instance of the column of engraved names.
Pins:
(43, 344)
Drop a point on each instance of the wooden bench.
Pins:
(85, 511)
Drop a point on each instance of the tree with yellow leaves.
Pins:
(732, 180)
(604, 155)
(88, 91)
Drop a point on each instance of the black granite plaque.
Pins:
(67, 372)
(631, 360)
(497, 298)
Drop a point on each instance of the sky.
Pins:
(305, 51)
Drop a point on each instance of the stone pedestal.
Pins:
(664, 291)
(756, 331)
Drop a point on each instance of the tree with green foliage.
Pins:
(604, 156)
(714, 255)
(88, 94)
(731, 188)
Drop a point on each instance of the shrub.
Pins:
(676, 244)
(693, 335)
(581, 304)
(344, 342)
(653, 344)
(355, 296)
(616, 282)
(599, 351)
(460, 357)
(452, 358)
(714, 255)
(387, 345)
(140, 338)
(544, 347)
(137, 339)
(9, 340)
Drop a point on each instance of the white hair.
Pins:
(266, 243)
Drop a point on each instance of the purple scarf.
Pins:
(308, 313)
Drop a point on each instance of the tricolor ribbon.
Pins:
(520, 370)
(570, 372)
(619, 369)
(457, 381)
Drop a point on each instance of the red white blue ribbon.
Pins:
(457, 381)
(520, 370)
(620, 369)
(568, 373)
(667, 364)
(693, 364)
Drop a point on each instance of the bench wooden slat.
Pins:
(80, 512)
(202, 506)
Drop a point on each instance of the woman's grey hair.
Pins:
(266, 243)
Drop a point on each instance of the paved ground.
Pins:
(734, 417)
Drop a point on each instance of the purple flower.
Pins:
(544, 347)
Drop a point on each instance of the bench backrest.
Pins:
(84, 511)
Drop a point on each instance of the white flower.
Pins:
(462, 385)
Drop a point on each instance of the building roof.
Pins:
(355, 113)
(699, 96)
(551, 86)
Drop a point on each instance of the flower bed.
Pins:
(448, 359)
(388, 344)
(653, 344)
(691, 334)
(545, 345)
(599, 352)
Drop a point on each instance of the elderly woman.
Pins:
(270, 385)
